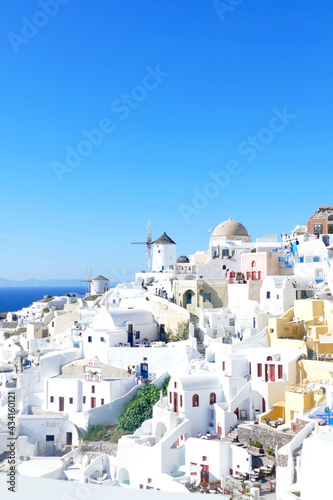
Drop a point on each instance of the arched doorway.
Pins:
(188, 298)
(123, 476)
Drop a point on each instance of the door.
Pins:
(50, 448)
(263, 405)
(61, 404)
(69, 438)
(175, 402)
(205, 473)
(272, 372)
(93, 402)
(130, 334)
(188, 298)
(162, 333)
(266, 373)
(236, 412)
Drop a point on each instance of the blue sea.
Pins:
(14, 298)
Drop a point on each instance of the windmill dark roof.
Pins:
(164, 240)
(99, 278)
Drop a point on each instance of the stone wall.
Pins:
(282, 460)
(167, 313)
(269, 437)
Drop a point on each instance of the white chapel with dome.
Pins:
(229, 238)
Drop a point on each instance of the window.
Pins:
(84, 400)
(137, 335)
(277, 297)
(150, 480)
(269, 358)
(259, 370)
(175, 385)
(207, 297)
(319, 274)
(259, 275)
(89, 339)
(141, 486)
(231, 321)
(280, 371)
(102, 402)
(71, 401)
(250, 368)
(102, 339)
(212, 398)
(268, 295)
(223, 365)
(180, 400)
(93, 389)
(318, 228)
(49, 437)
(51, 399)
(225, 253)
(170, 397)
(195, 400)
(253, 263)
(52, 324)
(204, 459)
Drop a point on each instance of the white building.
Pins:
(164, 254)
(277, 294)
(70, 393)
(228, 239)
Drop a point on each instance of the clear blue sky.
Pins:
(220, 78)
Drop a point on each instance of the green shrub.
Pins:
(139, 409)
(256, 444)
(96, 433)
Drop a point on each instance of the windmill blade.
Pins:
(148, 242)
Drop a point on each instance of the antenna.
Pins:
(148, 242)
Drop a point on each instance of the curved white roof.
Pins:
(110, 320)
(38, 468)
(200, 382)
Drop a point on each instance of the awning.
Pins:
(280, 404)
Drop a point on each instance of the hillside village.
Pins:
(241, 337)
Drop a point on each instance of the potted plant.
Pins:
(204, 485)
(255, 448)
(270, 454)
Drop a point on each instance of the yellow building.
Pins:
(309, 323)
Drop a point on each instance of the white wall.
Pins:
(37, 427)
(164, 257)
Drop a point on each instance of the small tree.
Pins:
(182, 333)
